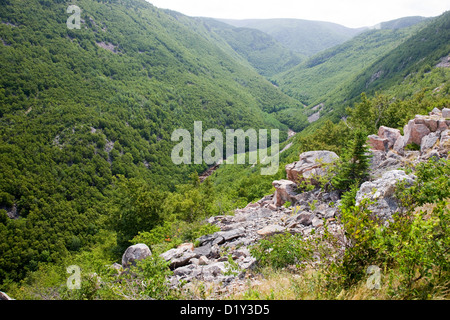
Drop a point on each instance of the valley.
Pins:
(87, 123)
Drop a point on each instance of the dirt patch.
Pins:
(107, 46)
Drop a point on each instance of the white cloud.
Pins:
(351, 13)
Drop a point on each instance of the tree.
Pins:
(353, 166)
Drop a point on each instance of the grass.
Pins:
(311, 285)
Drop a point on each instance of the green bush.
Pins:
(281, 250)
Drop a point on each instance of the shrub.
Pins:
(281, 250)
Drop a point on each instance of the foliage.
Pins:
(353, 164)
(411, 249)
(319, 75)
(281, 250)
(81, 107)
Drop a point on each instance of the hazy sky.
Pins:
(350, 13)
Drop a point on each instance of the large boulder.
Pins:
(382, 192)
(390, 134)
(378, 143)
(309, 165)
(285, 190)
(414, 131)
(4, 296)
(135, 253)
(446, 113)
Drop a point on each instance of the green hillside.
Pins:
(87, 115)
(376, 60)
(316, 77)
(80, 108)
(302, 36)
(421, 52)
(261, 50)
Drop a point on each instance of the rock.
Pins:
(232, 234)
(284, 191)
(271, 230)
(203, 250)
(378, 143)
(428, 142)
(4, 296)
(203, 261)
(430, 121)
(213, 270)
(442, 125)
(134, 253)
(446, 113)
(317, 222)
(252, 205)
(116, 266)
(309, 165)
(272, 207)
(436, 112)
(415, 132)
(382, 192)
(189, 271)
(304, 218)
(188, 245)
(444, 143)
(399, 145)
(390, 134)
(179, 257)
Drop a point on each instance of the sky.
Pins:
(350, 13)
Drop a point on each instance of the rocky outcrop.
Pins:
(135, 253)
(224, 258)
(309, 165)
(210, 260)
(428, 134)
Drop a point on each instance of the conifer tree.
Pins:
(352, 169)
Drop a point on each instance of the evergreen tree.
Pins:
(354, 164)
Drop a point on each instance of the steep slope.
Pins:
(302, 36)
(421, 52)
(377, 60)
(316, 77)
(261, 50)
(79, 107)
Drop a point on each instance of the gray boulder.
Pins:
(382, 192)
(134, 253)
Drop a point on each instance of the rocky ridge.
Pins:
(223, 259)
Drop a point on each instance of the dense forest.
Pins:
(87, 116)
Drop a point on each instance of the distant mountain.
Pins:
(302, 36)
(262, 51)
(401, 23)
